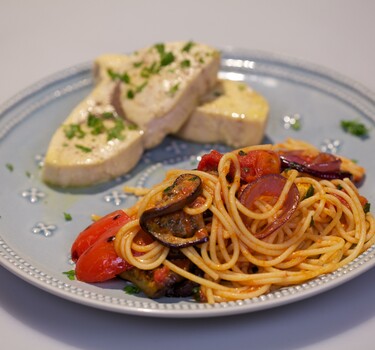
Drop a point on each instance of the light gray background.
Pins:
(39, 38)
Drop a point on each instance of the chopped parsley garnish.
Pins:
(130, 94)
(310, 192)
(166, 58)
(296, 125)
(67, 217)
(124, 77)
(366, 207)
(132, 289)
(116, 131)
(185, 64)
(84, 148)
(74, 130)
(188, 46)
(96, 124)
(9, 166)
(355, 128)
(137, 64)
(70, 274)
(312, 223)
(174, 89)
(146, 72)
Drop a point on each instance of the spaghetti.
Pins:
(327, 229)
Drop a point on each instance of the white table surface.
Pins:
(38, 38)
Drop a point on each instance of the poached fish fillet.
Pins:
(93, 145)
(137, 100)
(163, 84)
(231, 113)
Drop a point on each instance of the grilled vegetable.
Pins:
(321, 165)
(167, 221)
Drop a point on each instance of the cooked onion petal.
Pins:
(270, 186)
(321, 165)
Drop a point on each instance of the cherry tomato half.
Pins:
(108, 225)
(100, 262)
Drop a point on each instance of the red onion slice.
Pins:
(322, 165)
(270, 186)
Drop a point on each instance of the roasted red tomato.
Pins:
(257, 163)
(253, 164)
(100, 262)
(108, 225)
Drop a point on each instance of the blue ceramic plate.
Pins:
(35, 237)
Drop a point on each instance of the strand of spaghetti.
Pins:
(203, 207)
(335, 221)
(326, 244)
(131, 227)
(192, 255)
(190, 276)
(214, 264)
(141, 263)
(156, 253)
(352, 199)
(154, 191)
(248, 292)
(292, 174)
(303, 227)
(252, 242)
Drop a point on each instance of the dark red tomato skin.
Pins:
(108, 225)
(100, 262)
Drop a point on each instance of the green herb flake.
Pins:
(137, 64)
(187, 47)
(124, 77)
(241, 153)
(366, 207)
(355, 128)
(146, 72)
(312, 223)
(132, 289)
(67, 217)
(74, 130)
(185, 64)
(10, 167)
(172, 91)
(130, 94)
(116, 131)
(160, 47)
(71, 274)
(108, 115)
(96, 124)
(310, 192)
(28, 174)
(296, 125)
(84, 148)
(141, 87)
(166, 59)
